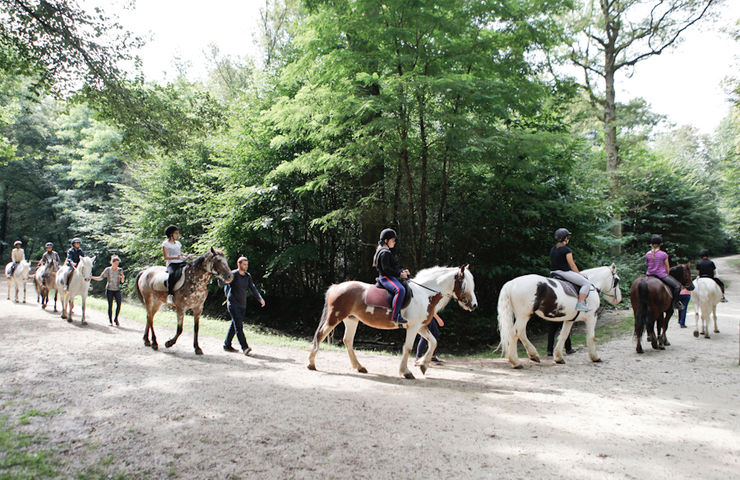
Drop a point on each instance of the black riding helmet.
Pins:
(656, 240)
(170, 230)
(704, 252)
(386, 235)
(561, 234)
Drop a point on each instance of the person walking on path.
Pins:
(684, 297)
(552, 329)
(115, 278)
(423, 345)
(236, 304)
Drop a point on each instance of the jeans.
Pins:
(685, 299)
(421, 347)
(237, 326)
(552, 329)
(394, 285)
(111, 295)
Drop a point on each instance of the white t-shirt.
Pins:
(173, 249)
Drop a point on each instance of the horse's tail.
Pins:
(642, 307)
(505, 320)
(322, 321)
(138, 290)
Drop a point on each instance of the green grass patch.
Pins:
(23, 456)
(25, 418)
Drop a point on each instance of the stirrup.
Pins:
(581, 307)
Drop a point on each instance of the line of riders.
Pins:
(393, 278)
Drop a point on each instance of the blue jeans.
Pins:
(237, 326)
(421, 347)
(394, 285)
(685, 299)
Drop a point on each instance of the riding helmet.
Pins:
(49, 244)
(76, 240)
(17, 242)
(386, 235)
(561, 234)
(704, 252)
(656, 240)
(170, 230)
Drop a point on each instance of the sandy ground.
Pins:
(168, 413)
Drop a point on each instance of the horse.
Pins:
(431, 288)
(190, 292)
(20, 274)
(706, 296)
(652, 304)
(79, 285)
(532, 294)
(45, 279)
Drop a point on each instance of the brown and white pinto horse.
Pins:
(652, 304)
(191, 295)
(432, 290)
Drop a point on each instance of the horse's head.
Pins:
(607, 281)
(464, 289)
(216, 264)
(85, 267)
(682, 273)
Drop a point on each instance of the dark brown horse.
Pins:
(45, 278)
(652, 304)
(190, 293)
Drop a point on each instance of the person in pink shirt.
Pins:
(658, 266)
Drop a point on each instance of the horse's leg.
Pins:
(696, 321)
(513, 339)
(557, 354)
(714, 317)
(196, 323)
(407, 346)
(322, 331)
(652, 338)
(173, 340)
(350, 328)
(150, 311)
(24, 291)
(591, 339)
(531, 349)
(84, 303)
(70, 307)
(666, 321)
(431, 347)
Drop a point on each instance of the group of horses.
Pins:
(429, 292)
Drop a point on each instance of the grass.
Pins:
(24, 455)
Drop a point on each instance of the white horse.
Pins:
(705, 297)
(19, 277)
(524, 296)
(79, 283)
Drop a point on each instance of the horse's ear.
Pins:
(613, 267)
(213, 251)
(688, 264)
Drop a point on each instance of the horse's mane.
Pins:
(431, 273)
(198, 262)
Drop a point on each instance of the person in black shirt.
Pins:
(561, 263)
(708, 269)
(390, 273)
(73, 259)
(236, 304)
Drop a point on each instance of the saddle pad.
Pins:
(159, 280)
(570, 289)
(380, 297)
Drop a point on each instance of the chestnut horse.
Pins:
(652, 304)
(45, 278)
(189, 296)
(432, 289)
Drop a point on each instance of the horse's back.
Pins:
(706, 290)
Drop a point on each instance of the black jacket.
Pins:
(387, 264)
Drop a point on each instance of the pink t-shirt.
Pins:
(656, 263)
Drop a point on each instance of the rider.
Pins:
(658, 266)
(562, 264)
(49, 257)
(172, 251)
(17, 255)
(708, 269)
(73, 259)
(390, 273)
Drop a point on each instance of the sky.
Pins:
(684, 83)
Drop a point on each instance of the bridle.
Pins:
(615, 285)
(458, 278)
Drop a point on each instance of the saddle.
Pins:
(161, 277)
(570, 289)
(377, 296)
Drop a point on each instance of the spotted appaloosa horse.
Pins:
(432, 290)
(652, 304)
(529, 295)
(191, 295)
(45, 279)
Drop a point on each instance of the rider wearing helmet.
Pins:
(390, 273)
(73, 259)
(49, 257)
(707, 269)
(172, 252)
(563, 265)
(658, 266)
(17, 255)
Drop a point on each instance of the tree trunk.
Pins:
(610, 125)
(423, 186)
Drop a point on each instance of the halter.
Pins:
(615, 282)
(451, 295)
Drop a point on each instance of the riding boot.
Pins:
(677, 305)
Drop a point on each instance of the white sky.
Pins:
(684, 83)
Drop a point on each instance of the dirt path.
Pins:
(126, 408)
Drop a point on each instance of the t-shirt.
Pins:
(706, 267)
(236, 294)
(558, 260)
(114, 279)
(50, 257)
(656, 263)
(74, 254)
(17, 255)
(173, 249)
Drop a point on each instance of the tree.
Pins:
(616, 35)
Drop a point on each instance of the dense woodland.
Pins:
(446, 120)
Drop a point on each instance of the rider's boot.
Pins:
(581, 305)
(401, 322)
(171, 300)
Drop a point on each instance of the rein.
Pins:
(452, 295)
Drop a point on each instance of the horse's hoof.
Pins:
(359, 370)
(716, 331)
(82, 322)
(696, 333)
(535, 359)
(409, 376)
(707, 336)
(147, 343)
(598, 360)
(560, 362)
(423, 368)
(155, 346)
(69, 320)
(517, 366)
(169, 343)
(198, 351)
(311, 366)
(667, 343)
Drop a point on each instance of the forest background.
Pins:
(450, 121)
